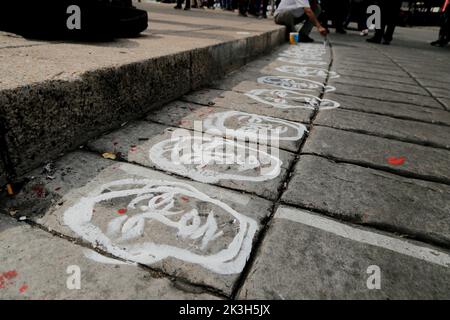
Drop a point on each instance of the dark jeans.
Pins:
(187, 5)
(444, 32)
(390, 10)
(336, 10)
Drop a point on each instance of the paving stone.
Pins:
(371, 71)
(264, 180)
(400, 157)
(374, 83)
(239, 102)
(392, 109)
(434, 83)
(387, 95)
(404, 130)
(36, 265)
(226, 122)
(366, 74)
(440, 92)
(188, 230)
(370, 197)
(306, 256)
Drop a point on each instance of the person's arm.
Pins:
(312, 17)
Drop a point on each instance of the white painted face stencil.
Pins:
(303, 62)
(211, 159)
(163, 219)
(297, 84)
(245, 125)
(286, 99)
(308, 72)
(302, 55)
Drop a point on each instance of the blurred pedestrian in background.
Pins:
(390, 11)
(293, 12)
(187, 5)
(358, 11)
(337, 11)
(444, 33)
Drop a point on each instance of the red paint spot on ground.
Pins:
(122, 211)
(396, 161)
(23, 288)
(6, 277)
(39, 190)
(184, 198)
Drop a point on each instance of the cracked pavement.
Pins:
(365, 184)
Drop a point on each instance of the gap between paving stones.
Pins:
(380, 168)
(278, 202)
(185, 284)
(411, 76)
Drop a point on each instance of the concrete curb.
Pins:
(46, 119)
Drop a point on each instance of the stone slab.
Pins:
(387, 95)
(131, 145)
(403, 130)
(239, 102)
(382, 84)
(54, 97)
(366, 74)
(395, 156)
(68, 205)
(408, 206)
(392, 109)
(305, 256)
(37, 262)
(225, 122)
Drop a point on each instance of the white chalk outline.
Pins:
(303, 62)
(209, 145)
(308, 72)
(309, 101)
(313, 85)
(230, 260)
(216, 121)
(363, 236)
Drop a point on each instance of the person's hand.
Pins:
(323, 31)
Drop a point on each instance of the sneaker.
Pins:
(364, 33)
(304, 39)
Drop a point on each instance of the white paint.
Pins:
(371, 238)
(301, 56)
(308, 72)
(287, 99)
(291, 83)
(252, 126)
(162, 201)
(203, 159)
(303, 62)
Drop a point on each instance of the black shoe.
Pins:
(386, 42)
(439, 43)
(304, 39)
(187, 8)
(341, 31)
(374, 40)
(177, 7)
(243, 14)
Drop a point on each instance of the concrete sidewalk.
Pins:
(358, 206)
(54, 96)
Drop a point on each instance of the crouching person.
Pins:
(292, 12)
